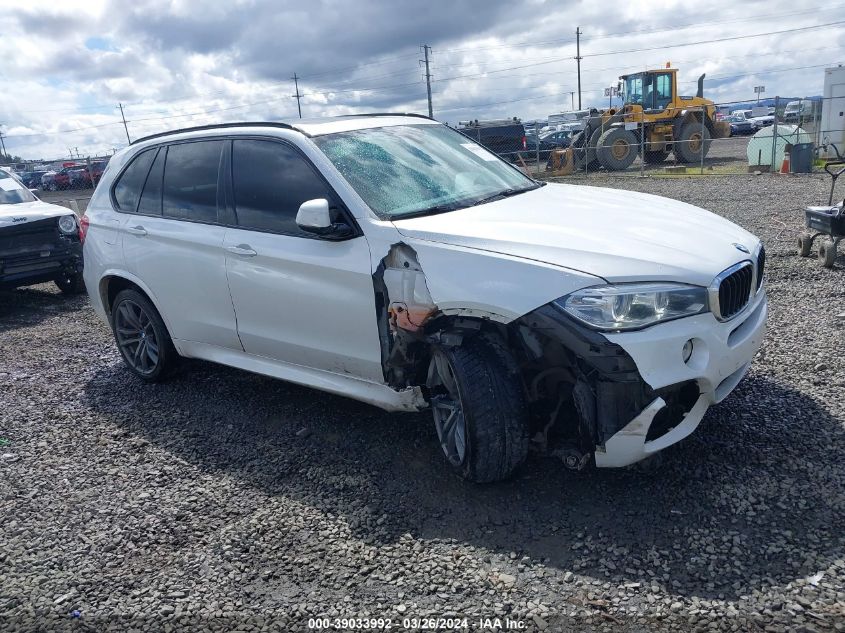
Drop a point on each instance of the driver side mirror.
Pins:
(314, 216)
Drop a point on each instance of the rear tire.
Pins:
(692, 140)
(617, 149)
(141, 337)
(71, 284)
(477, 396)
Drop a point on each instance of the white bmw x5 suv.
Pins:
(390, 259)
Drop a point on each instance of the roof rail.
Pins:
(216, 126)
(363, 114)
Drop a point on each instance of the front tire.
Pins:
(141, 337)
(71, 283)
(479, 409)
(805, 243)
(617, 149)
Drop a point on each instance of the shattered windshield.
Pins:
(12, 191)
(407, 170)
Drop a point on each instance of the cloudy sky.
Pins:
(67, 65)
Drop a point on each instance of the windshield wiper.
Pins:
(454, 206)
(505, 193)
(438, 208)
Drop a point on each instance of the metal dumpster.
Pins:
(801, 158)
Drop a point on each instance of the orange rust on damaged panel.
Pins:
(410, 319)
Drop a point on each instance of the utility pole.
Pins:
(297, 95)
(77, 151)
(426, 50)
(125, 127)
(578, 61)
(3, 145)
(572, 100)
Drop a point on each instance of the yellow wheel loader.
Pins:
(654, 120)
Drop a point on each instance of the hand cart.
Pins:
(828, 221)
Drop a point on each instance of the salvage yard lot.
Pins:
(228, 500)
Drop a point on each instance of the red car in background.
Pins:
(74, 177)
(58, 180)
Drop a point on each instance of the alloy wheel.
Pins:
(446, 406)
(136, 337)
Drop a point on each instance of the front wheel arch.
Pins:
(491, 400)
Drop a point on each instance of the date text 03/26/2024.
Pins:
(417, 624)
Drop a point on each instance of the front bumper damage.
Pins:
(641, 396)
(722, 354)
(36, 252)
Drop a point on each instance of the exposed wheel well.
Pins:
(110, 287)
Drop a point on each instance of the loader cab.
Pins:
(654, 90)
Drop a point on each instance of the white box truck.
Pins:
(833, 110)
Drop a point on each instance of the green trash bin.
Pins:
(801, 158)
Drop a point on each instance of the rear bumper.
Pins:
(722, 354)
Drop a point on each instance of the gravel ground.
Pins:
(228, 501)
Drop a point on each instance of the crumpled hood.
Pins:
(17, 214)
(615, 234)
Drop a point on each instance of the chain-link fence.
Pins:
(63, 174)
(790, 136)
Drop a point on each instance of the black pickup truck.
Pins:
(505, 137)
(39, 242)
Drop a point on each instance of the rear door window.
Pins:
(127, 190)
(271, 180)
(190, 181)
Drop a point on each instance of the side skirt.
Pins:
(379, 395)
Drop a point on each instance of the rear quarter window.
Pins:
(127, 189)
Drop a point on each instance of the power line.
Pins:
(57, 132)
(598, 87)
(357, 66)
(636, 50)
(676, 27)
(496, 47)
(481, 105)
(721, 39)
(634, 67)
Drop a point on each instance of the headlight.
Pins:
(67, 225)
(634, 306)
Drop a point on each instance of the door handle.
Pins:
(245, 250)
(136, 230)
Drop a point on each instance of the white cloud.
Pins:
(176, 64)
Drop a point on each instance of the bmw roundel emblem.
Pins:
(742, 248)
